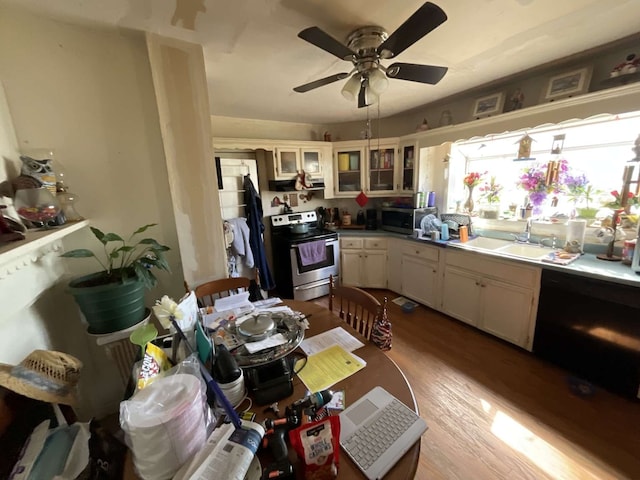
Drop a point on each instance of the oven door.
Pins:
(303, 274)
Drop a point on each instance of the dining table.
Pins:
(380, 370)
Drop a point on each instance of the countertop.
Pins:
(587, 265)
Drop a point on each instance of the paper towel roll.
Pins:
(576, 229)
(164, 425)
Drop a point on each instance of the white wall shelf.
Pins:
(16, 255)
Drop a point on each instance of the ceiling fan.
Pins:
(367, 46)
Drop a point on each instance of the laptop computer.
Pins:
(377, 430)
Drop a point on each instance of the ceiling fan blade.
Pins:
(321, 82)
(416, 73)
(424, 20)
(326, 42)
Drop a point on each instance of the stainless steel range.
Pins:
(304, 255)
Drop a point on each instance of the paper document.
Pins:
(231, 302)
(328, 367)
(335, 336)
(267, 302)
(272, 341)
(227, 455)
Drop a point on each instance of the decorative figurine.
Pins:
(39, 170)
(516, 100)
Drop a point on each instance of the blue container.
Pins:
(444, 232)
(431, 200)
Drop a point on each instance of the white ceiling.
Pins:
(254, 57)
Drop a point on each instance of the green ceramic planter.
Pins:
(111, 307)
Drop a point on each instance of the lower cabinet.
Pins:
(394, 264)
(496, 296)
(420, 274)
(363, 262)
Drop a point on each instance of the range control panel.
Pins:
(293, 218)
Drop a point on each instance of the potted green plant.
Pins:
(113, 298)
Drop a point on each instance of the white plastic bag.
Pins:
(166, 422)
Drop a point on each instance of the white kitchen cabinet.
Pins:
(368, 166)
(363, 262)
(407, 168)
(506, 311)
(380, 170)
(394, 264)
(421, 273)
(497, 296)
(290, 159)
(461, 295)
(348, 168)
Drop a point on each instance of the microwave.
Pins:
(404, 220)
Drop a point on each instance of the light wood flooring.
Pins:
(496, 411)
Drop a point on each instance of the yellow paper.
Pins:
(328, 367)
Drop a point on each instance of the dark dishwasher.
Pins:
(591, 328)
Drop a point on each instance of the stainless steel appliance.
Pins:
(404, 220)
(296, 277)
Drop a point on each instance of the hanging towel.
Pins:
(312, 252)
(240, 245)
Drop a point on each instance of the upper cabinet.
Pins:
(407, 167)
(368, 166)
(381, 168)
(348, 168)
(291, 159)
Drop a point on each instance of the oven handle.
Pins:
(319, 283)
(328, 242)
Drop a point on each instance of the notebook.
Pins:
(377, 430)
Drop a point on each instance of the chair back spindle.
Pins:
(355, 306)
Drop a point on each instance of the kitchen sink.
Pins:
(523, 250)
(487, 243)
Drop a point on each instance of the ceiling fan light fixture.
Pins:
(378, 82)
(352, 88)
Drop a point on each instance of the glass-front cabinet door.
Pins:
(349, 162)
(312, 162)
(381, 169)
(287, 162)
(408, 167)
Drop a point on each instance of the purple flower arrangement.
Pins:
(536, 181)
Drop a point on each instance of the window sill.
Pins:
(17, 255)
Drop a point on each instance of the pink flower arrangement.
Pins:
(473, 178)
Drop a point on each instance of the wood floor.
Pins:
(496, 411)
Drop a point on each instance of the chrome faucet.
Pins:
(525, 237)
(552, 239)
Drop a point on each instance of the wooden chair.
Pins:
(355, 306)
(209, 291)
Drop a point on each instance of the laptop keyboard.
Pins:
(370, 441)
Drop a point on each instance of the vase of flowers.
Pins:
(533, 180)
(616, 204)
(471, 181)
(490, 196)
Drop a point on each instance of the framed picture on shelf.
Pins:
(568, 84)
(489, 105)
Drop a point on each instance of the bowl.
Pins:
(408, 307)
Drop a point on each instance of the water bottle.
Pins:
(431, 199)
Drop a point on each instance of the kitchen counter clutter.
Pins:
(580, 316)
(587, 265)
